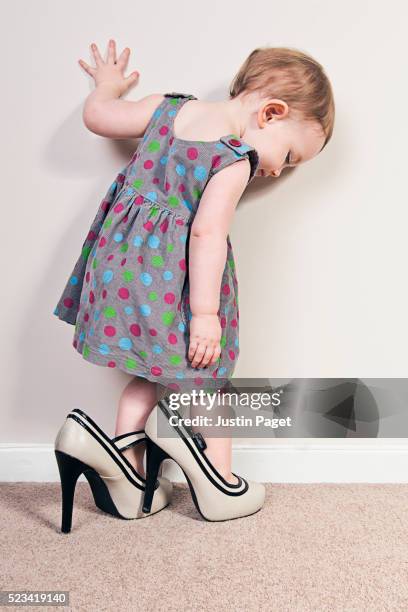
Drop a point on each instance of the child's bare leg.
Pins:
(136, 402)
(219, 449)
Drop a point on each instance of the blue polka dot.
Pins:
(107, 276)
(163, 160)
(91, 331)
(183, 237)
(221, 371)
(152, 195)
(74, 280)
(187, 204)
(82, 336)
(118, 237)
(180, 169)
(179, 375)
(97, 314)
(146, 278)
(145, 310)
(167, 275)
(181, 327)
(104, 349)
(157, 349)
(113, 186)
(200, 173)
(129, 191)
(153, 241)
(236, 342)
(129, 310)
(125, 344)
(138, 241)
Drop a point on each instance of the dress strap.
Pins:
(235, 148)
(167, 110)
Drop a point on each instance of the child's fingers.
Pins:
(197, 352)
(123, 58)
(207, 356)
(97, 55)
(87, 68)
(111, 52)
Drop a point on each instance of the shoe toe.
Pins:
(258, 495)
(163, 493)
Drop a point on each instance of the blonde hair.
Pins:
(292, 76)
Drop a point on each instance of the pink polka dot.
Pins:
(109, 330)
(87, 277)
(86, 317)
(216, 160)
(91, 297)
(181, 187)
(104, 293)
(192, 153)
(148, 226)
(171, 140)
(111, 364)
(102, 241)
(68, 302)
(163, 130)
(156, 181)
(91, 235)
(148, 164)
(118, 208)
(125, 219)
(226, 289)
(135, 329)
(139, 199)
(156, 371)
(110, 257)
(175, 387)
(179, 222)
(169, 298)
(182, 264)
(172, 338)
(198, 380)
(223, 321)
(123, 293)
(153, 332)
(167, 185)
(231, 354)
(234, 323)
(122, 263)
(164, 226)
(140, 259)
(105, 205)
(75, 343)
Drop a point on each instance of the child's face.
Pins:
(281, 141)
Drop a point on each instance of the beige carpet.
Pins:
(334, 547)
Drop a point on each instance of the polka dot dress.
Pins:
(128, 294)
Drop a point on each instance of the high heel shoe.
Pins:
(215, 498)
(82, 447)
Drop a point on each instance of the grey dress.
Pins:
(128, 294)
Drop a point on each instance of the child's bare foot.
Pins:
(135, 456)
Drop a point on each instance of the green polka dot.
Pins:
(174, 101)
(124, 247)
(143, 354)
(175, 359)
(130, 364)
(154, 145)
(168, 317)
(137, 183)
(231, 264)
(170, 248)
(85, 252)
(94, 263)
(173, 201)
(153, 296)
(85, 351)
(157, 261)
(128, 276)
(109, 312)
(107, 223)
(196, 192)
(223, 341)
(154, 212)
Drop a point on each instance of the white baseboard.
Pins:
(289, 462)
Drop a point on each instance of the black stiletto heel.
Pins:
(154, 457)
(70, 469)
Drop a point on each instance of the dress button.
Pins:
(234, 142)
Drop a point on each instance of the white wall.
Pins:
(320, 253)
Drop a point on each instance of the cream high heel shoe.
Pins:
(82, 447)
(214, 497)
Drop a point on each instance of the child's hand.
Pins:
(112, 70)
(205, 336)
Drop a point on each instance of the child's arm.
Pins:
(208, 252)
(104, 113)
